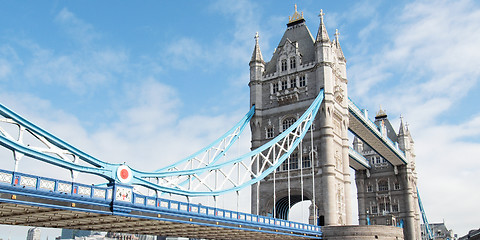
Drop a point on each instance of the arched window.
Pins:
(284, 65)
(287, 122)
(293, 63)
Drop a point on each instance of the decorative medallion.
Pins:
(124, 174)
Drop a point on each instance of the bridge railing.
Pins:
(375, 130)
(68, 191)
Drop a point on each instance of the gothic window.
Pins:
(385, 207)
(284, 65)
(306, 161)
(293, 63)
(293, 83)
(396, 185)
(294, 160)
(383, 185)
(284, 84)
(395, 207)
(374, 209)
(287, 123)
(275, 87)
(285, 165)
(269, 132)
(369, 188)
(302, 81)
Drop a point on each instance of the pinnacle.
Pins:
(257, 54)
(322, 35)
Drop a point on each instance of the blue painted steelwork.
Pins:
(424, 217)
(240, 126)
(306, 119)
(355, 111)
(57, 190)
(100, 168)
(291, 137)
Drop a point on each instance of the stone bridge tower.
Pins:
(387, 194)
(281, 90)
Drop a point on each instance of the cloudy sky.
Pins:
(149, 82)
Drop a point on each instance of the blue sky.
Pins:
(136, 81)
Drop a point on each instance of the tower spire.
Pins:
(322, 35)
(402, 129)
(337, 43)
(257, 54)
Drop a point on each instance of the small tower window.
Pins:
(293, 63)
(383, 185)
(287, 123)
(269, 132)
(374, 209)
(302, 81)
(293, 82)
(306, 162)
(395, 207)
(275, 87)
(284, 84)
(284, 65)
(396, 186)
(369, 188)
(285, 165)
(294, 160)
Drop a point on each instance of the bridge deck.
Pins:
(357, 161)
(31, 201)
(366, 130)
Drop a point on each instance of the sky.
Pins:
(149, 82)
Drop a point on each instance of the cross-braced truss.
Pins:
(201, 174)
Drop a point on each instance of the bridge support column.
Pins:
(327, 157)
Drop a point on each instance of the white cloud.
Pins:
(76, 28)
(426, 66)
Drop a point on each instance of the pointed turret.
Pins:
(257, 54)
(402, 130)
(322, 35)
(339, 48)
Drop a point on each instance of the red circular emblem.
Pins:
(124, 173)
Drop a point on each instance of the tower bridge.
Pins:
(299, 118)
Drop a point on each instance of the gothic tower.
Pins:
(281, 90)
(387, 194)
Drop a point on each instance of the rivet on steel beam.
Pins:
(73, 204)
(14, 197)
